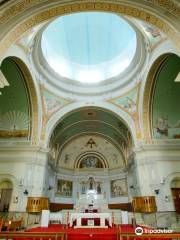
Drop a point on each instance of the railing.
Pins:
(147, 236)
(64, 236)
(33, 236)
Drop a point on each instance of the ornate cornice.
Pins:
(16, 8)
(75, 6)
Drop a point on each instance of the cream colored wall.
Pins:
(26, 168)
(156, 167)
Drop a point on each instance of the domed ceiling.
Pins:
(88, 54)
(89, 47)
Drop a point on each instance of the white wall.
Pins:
(26, 168)
(156, 167)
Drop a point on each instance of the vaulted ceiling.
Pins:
(91, 120)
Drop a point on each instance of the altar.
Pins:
(78, 217)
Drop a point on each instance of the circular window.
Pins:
(89, 47)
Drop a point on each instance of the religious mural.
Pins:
(119, 188)
(128, 102)
(91, 162)
(90, 185)
(52, 103)
(14, 103)
(64, 188)
(165, 111)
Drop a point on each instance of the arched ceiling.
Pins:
(91, 120)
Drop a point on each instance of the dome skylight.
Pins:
(89, 47)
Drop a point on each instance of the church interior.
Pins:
(89, 116)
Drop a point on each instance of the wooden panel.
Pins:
(176, 197)
(122, 206)
(54, 207)
(37, 204)
(144, 204)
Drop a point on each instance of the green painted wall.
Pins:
(166, 100)
(14, 106)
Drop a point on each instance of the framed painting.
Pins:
(119, 188)
(64, 188)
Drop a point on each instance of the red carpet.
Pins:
(85, 233)
(80, 233)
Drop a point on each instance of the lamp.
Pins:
(26, 192)
(156, 191)
(50, 188)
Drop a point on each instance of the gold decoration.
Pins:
(118, 8)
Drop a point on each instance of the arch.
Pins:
(14, 184)
(62, 113)
(81, 161)
(51, 11)
(148, 91)
(175, 182)
(157, 78)
(31, 96)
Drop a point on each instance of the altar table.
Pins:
(79, 216)
(48, 216)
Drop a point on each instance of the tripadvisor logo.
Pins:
(139, 231)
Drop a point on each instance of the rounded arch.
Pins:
(169, 179)
(147, 99)
(114, 110)
(13, 187)
(91, 159)
(31, 96)
(50, 11)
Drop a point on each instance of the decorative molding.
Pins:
(79, 7)
(15, 9)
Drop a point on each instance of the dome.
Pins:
(89, 47)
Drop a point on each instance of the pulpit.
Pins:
(37, 204)
(144, 204)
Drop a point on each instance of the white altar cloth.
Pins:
(79, 216)
(55, 216)
(48, 216)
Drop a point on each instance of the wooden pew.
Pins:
(14, 225)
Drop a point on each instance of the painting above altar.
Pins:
(91, 161)
(91, 186)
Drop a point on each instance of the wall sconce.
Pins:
(156, 191)
(167, 199)
(25, 192)
(50, 188)
(131, 186)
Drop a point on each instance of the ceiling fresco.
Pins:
(52, 103)
(166, 101)
(128, 101)
(90, 121)
(14, 114)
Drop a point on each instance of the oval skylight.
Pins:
(89, 47)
